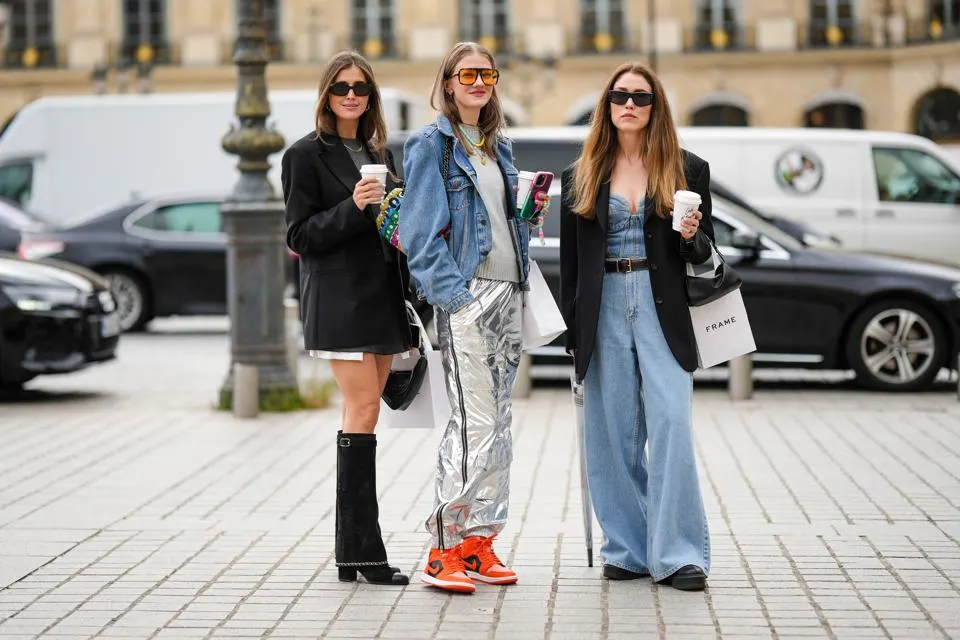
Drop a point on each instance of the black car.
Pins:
(161, 257)
(54, 318)
(895, 322)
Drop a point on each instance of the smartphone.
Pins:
(539, 185)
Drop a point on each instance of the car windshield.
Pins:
(757, 223)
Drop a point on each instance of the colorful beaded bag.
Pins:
(388, 220)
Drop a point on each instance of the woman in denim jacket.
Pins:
(467, 253)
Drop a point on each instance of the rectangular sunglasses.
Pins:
(640, 98)
(360, 89)
(469, 76)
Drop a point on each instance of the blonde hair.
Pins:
(491, 120)
(372, 128)
(661, 152)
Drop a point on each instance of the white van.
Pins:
(877, 191)
(886, 192)
(67, 156)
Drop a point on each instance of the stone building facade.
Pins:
(879, 64)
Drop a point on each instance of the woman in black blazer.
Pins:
(352, 289)
(622, 269)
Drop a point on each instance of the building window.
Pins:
(835, 115)
(937, 115)
(373, 30)
(720, 115)
(145, 32)
(832, 23)
(943, 19)
(486, 22)
(717, 25)
(602, 26)
(30, 42)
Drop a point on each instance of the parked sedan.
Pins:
(895, 322)
(161, 256)
(54, 318)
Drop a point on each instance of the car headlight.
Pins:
(33, 298)
(107, 303)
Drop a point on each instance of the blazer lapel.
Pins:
(335, 157)
(649, 210)
(602, 205)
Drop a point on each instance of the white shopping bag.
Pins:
(542, 321)
(722, 330)
(431, 407)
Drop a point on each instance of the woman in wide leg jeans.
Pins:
(622, 295)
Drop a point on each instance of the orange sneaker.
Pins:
(481, 561)
(445, 570)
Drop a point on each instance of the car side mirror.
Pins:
(748, 241)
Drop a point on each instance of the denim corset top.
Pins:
(625, 230)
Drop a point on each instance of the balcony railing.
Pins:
(36, 55)
(695, 39)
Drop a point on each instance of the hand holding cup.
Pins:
(368, 191)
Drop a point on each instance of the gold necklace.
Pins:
(357, 150)
(478, 145)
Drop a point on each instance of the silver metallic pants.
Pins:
(481, 348)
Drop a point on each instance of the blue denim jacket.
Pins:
(441, 268)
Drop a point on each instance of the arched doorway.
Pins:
(720, 115)
(936, 115)
(835, 109)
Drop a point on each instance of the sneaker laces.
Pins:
(487, 555)
(452, 562)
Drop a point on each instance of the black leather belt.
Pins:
(625, 265)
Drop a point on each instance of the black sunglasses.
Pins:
(640, 98)
(469, 76)
(360, 89)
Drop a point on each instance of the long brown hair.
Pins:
(372, 128)
(661, 149)
(491, 115)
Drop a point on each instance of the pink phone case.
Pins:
(540, 185)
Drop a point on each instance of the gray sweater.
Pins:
(501, 262)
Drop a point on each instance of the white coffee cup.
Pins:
(525, 179)
(378, 171)
(685, 203)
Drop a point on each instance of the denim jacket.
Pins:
(441, 267)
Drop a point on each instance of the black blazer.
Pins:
(583, 245)
(352, 283)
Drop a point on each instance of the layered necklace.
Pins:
(357, 150)
(478, 145)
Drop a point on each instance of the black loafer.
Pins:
(611, 572)
(688, 578)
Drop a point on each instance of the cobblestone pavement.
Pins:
(130, 509)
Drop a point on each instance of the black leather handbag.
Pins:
(403, 386)
(710, 280)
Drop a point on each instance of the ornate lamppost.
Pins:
(254, 224)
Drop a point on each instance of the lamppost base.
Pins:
(255, 280)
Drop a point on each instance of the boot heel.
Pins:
(347, 574)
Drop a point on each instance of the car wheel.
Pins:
(131, 296)
(896, 345)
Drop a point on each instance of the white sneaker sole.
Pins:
(473, 575)
(449, 585)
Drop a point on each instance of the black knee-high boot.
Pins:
(359, 545)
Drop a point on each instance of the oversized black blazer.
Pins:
(583, 245)
(352, 283)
